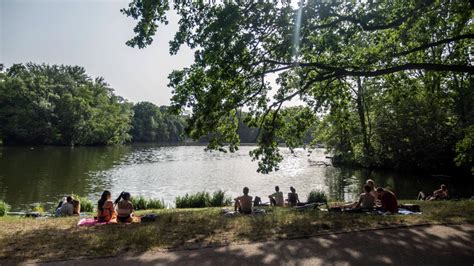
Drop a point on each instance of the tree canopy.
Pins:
(381, 79)
(42, 104)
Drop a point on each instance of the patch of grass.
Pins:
(58, 238)
(4, 208)
(141, 203)
(317, 196)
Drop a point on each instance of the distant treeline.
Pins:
(62, 105)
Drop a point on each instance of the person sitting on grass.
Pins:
(439, 194)
(293, 199)
(243, 204)
(366, 200)
(124, 208)
(77, 207)
(66, 208)
(371, 183)
(388, 200)
(105, 209)
(276, 199)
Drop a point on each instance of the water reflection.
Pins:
(43, 174)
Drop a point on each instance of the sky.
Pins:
(92, 34)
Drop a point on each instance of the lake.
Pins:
(44, 174)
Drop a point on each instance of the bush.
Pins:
(141, 203)
(317, 196)
(86, 204)
(4, 208)
(219, 199)
(203, 199)
(155, 204)
(198, 200)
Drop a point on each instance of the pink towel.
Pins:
(89, 222)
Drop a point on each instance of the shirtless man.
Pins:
(243, 204)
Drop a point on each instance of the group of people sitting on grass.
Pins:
(68, 206)
(243, 204)
(373, 198)
(385, 200)
(120, 210)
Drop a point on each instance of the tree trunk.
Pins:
(361, 112)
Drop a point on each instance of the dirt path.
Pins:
(421, 245)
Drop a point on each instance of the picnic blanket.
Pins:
(90, 222)
(87, 222)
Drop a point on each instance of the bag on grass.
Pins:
(149, 218)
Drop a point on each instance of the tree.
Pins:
(319, 51)
(43, 104)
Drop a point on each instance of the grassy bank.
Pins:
(59, 238)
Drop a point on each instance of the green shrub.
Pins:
(4, 208)
(141, 203)
(86, 204)
(198, 200)
(219, 199)
(202, 200)
(316, 196)
(155, 204)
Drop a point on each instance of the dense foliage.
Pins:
(384, 83)
(317, 196)
(42, 104)
(203, 199)
(155, 124)
(141, 203)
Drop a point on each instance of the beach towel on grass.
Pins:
(89, 222)
(93, 222)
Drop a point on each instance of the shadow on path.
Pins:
(422, 245)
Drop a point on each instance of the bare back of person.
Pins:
(245, 203)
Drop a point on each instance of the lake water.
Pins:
(44, 174)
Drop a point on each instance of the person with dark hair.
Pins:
(293, 199)
(439, 194)
(276, 199)
(124, 208)
(66, 209)
(105, 208)
(366, 200)
(243, 204)
(388, 200)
